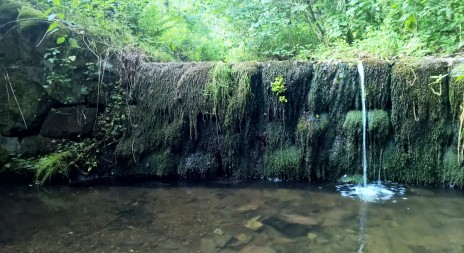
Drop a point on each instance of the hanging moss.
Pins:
(283, 163)
(219, 88)
(377, 83)
(239, 102)
(419, 118)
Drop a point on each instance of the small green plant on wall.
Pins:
(278, 87)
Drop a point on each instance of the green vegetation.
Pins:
(51, 165)
(278, 87)
(283, 163)
(240, 30)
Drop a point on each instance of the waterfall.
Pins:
(364, 121)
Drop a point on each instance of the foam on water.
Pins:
(372, 192)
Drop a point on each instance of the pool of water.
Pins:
(234, 217)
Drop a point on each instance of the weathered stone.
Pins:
(37, 145)
(23, 105)
(69, 122)
(9, 147)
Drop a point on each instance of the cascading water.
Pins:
(368, 192)
(364, 114)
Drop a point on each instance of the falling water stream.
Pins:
(364, 114)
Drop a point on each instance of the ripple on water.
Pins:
(376, 192)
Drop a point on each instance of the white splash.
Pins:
(372, 192)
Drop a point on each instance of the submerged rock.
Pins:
(254, 224)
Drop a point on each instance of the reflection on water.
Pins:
(241, 217)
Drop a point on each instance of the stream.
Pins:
(236, 216)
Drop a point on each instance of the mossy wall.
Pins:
(184, 110)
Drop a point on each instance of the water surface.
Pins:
(235, 217)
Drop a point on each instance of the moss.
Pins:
(283, 163)
(352, 125)
(219, 88)
(276, 136)
(238, 102)
(452, 172)
(160, 163)
(378, 125)
(34, 104)
(419, 118)
(29, 19)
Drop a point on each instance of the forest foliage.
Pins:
(239, 30)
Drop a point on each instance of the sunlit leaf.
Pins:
(52, 26)
(57, 2)
(60, 40)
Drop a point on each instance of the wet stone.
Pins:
(207, 245)
(218, 231)
(223, 240)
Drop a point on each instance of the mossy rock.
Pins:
(283, 163)
(23, 110)
(31, 21)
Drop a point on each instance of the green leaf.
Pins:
(52, 26)
(57, 2)
(60, 40)
(73, 43)
(72, 58)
